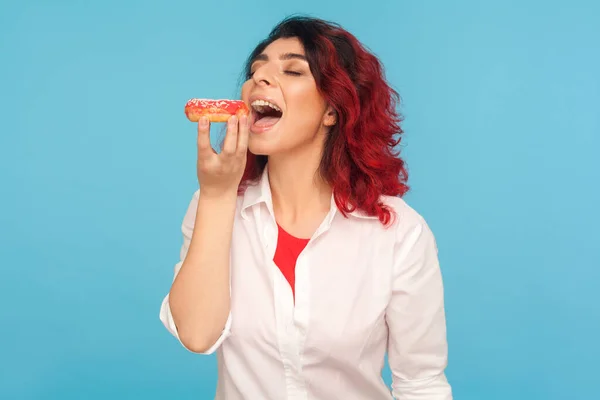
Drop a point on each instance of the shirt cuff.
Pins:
(431, 388)
(167, 319)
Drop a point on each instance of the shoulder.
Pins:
(408, 224)
(404, 215)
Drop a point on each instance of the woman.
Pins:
(301, 265)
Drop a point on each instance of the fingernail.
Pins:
(203, 122)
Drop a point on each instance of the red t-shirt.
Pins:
(288, 249)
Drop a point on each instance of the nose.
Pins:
(261, 76)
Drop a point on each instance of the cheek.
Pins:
(308, 102)
(245, 91)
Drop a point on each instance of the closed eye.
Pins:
(295, 73)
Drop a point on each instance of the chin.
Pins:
(264, 143)
(260, 148)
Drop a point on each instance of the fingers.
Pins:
(242, 144)
(204, 147)
(231, 137)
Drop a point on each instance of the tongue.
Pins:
(267, 121)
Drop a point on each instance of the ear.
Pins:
(330, 117)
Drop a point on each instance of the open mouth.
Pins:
(266, 114)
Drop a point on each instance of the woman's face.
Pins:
(286, 109)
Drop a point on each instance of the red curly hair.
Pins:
(359, 160)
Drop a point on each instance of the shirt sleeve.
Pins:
(417, 347)
(165, 315)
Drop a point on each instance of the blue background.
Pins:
(97, 166)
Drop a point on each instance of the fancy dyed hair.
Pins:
(359, 160)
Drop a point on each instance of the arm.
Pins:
(417, 349)
(197, 308)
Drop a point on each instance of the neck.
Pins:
(299, 193)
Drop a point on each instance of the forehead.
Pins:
(284, 45)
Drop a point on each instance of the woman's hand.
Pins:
(220, 173)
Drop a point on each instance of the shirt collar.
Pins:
(256, 193)
(260, 192)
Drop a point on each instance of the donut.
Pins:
(215, 110)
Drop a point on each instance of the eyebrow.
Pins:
(283, 57)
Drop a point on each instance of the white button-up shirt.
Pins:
(361, 290)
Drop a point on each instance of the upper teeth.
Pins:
(259, 105)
